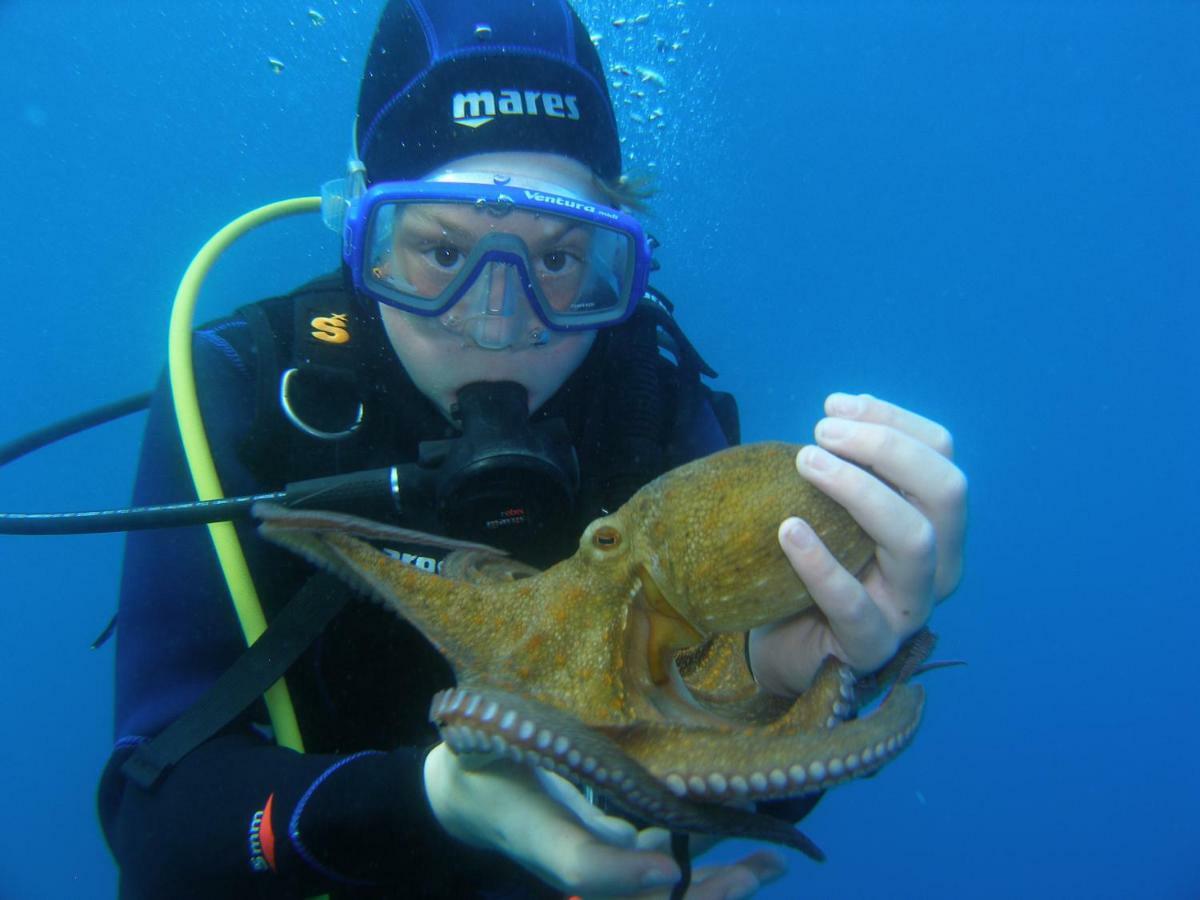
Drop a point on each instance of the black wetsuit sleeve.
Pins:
(340, 823)
(240, 818)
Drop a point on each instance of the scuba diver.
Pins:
(491, 344)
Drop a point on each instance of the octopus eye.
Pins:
(606, 537)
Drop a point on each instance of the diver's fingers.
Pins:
(905, 538)
(503, 806)
(923, 476)
(733, 881)
(597, 855)
(572, 861)
(865, 639)
(610, 829)
(655, 838)
(550, 842)
(866, 408)
(724, 882)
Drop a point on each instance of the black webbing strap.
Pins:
(683, 859)
(290, 633)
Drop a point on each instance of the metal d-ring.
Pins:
(286, 405)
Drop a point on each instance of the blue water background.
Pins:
(988, 212)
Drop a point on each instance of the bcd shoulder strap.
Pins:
(644, 393)
(691, 364)
(263, 663)
(310, 406)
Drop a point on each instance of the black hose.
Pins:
(37, 439)
(104, 520)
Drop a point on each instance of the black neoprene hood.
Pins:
(446, 79)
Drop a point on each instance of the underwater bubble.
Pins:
(649, 76)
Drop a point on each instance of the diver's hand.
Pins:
(893, 470)
(732, 881)
(542, 822)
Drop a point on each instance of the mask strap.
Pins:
(338, 194)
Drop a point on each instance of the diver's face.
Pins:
(441, 360)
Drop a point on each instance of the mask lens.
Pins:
(426, 257)
(412, 258)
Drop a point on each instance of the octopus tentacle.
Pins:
(828, 702)
(487, 722)
(751, 764)
(910, 661)
(277, 518)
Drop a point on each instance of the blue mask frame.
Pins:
(507, 249)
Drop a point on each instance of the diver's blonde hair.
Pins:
(631, 192)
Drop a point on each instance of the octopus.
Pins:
(623, 668)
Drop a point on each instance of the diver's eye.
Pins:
(554, 261)
(606, 537)
(446, 256)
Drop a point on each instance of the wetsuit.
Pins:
(240, 816)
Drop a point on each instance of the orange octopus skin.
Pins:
(574, 669)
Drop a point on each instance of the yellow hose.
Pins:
(199, 455)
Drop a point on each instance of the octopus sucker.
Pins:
(622, 668)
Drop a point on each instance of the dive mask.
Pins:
(494, 261)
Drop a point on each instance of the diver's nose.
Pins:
(506, 314)
(499, 298)
(495, 328)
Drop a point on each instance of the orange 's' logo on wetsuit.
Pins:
(331, 329)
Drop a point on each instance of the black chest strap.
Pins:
(291, 632)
